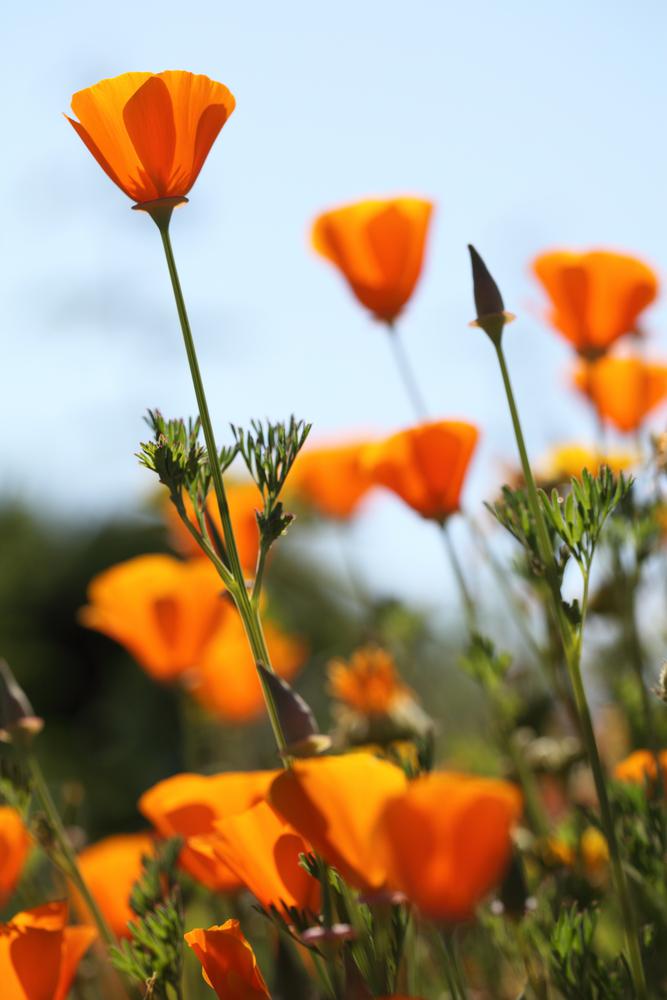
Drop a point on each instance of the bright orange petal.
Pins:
(149, 120)
(228, 962)
(76, 942)
(110, 868)
(14, 849)
(334, 803)
(31, 947)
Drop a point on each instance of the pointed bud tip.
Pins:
(491, 314)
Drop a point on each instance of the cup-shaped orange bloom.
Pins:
(640, 767)
(378, 246)
(226, 683)
(334, 803)
(39, 954)
(567, 461)
(243, 499)
(369, 682)
(623, 390)
(263, 850)
(446, 841)
(596, 297)
(110, 868)
(425, 465)
(162, 610)
(332, 479)
(151, 133)
(14, 848)
(228, 962)
(189, 805)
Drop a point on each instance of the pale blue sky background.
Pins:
(531, 125)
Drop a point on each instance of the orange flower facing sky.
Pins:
(14, 849)
(151, 133)
(39, 954)
(425, 465)
(331, 479)
(228, 962)
(226, 682)
(162, 610)
(378, 246)
(445, 841)
(189, 805)
(623, 390)
(244, 499)
(368, 682)
(110, 868)
(263, 851)
(334, 803)
(596, 297)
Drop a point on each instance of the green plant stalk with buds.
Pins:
(232, 576)
(491, 317)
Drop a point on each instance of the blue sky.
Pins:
(530, 126)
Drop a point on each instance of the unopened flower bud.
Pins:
(18, 722)
(297, 722)
(491, 314)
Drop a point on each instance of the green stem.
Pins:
(69, 857)
(238, 588)
(467, 601)
(407, 375)
(572, 649)
(454, 982)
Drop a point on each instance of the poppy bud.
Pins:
(298, 724)
(491, 314)
(18, 721)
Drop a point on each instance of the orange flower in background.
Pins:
(640, 767)
(332, 479)
(244, 499)
(226, 683)
(596, 297)
(151, 133)
(39, 954)
(368, 682)
(228, 962)
(263, 852)
(189, 805)
(162, 610)
(425, 465)
(334, 803)
(14, 849)
(378, 246)
(445, 841)
(110, 868)
(622, 390)
(566, 461)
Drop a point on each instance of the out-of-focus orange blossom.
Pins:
(368, 682)
(110, 868)
(640, 767)
(378, 246)
(425, 465)
(14, 850)
(331, 479)
(151, 133)
(595, 297)
(623, 390)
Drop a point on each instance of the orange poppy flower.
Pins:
(162, 610)
(39, 954)
(14, 849)
(640, 767)
(151, 133)
(622, 390)
(425, 465)
(368, 682)
(378, 246)
(244, 500)
(446, 841)
(334, 803)
(263, 852)
(189, 805)
(596, 297)
(331, 479)
(566, 461)
(226, 683)
(228, 962)
(110, 868)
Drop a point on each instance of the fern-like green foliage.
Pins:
(153, 956)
